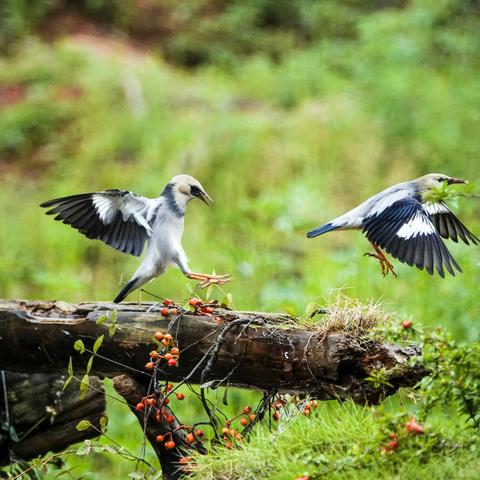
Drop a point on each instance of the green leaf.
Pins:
(83, 425)
(79, 346)
(103, 423)
(70, 367)
(84, 385)
(112, 329)
(89, 364)
(137, 475)
(98, 343)
(86, 448)
(67, 382)
(101, 320)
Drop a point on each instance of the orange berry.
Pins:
(174, 351)
(154, 355)
(167, 356)
(172, 362)
(413, 427)
(228, 445)
(244, 422)
(150, 402)
(276, 416)
(169, 387)
(167, 302)
(199, 433)
(170, 418)
(167, 336)
(226, 431)
(158, 417)
(140, 406)
(247, 410)
(208, 309)
(306, 412)
(238, 436)
(159, 438)
(406, 324)
(164, 311)
(173, 311)
(252, 417)
(190, 438)
(180, 396)
(159, 336)
(193, 302)
(166, 401)
(315, 404)
(170, 445)
(165, 342)
(150, 366)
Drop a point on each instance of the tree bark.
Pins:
(251, 350)
(38, 416)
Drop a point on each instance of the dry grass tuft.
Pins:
(351, 316)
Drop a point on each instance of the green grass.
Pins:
(281, 146)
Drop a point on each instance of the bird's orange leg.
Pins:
(384, 263)
(208, 280)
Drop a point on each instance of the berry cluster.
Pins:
(411, 427)
(204, 309)
(169, 351)
(231, 435)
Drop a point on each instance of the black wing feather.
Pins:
(418, 243)
(80, 212)
(448, 224)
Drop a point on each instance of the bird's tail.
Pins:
(328, 227)
(130, 286)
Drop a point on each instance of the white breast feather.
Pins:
(419, 224)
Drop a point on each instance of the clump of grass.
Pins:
(348, 315)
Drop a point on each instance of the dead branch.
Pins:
(38, 416)
(264, 354)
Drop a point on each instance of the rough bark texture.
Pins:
(39, 417)
(252, 350)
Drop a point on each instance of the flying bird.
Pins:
(403, 221)
(125, 221)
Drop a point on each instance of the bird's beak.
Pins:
(205, 198)
(451, 181)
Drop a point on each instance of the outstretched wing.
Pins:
(448, 225)
(119, 218)
(405, 230)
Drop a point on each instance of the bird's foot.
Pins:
(387, 267)
(207, 280)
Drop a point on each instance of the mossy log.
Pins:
(245, 349)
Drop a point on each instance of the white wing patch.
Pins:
(106, 207)
(419, 224)
(434, 208)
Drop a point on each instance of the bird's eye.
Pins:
(442, 179)
(195, 191)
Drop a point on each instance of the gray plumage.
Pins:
(402, 221)
(125, 221)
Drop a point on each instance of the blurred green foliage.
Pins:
(295, 112)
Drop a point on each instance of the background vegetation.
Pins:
(289, 113)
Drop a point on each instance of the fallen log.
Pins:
(37, 415)
(244, 349)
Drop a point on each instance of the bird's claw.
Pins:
(215, 280)
(387, 267)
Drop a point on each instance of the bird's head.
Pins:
(433, 181)
(186, 188)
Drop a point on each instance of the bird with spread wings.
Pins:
(125, 221)
(404, 222)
